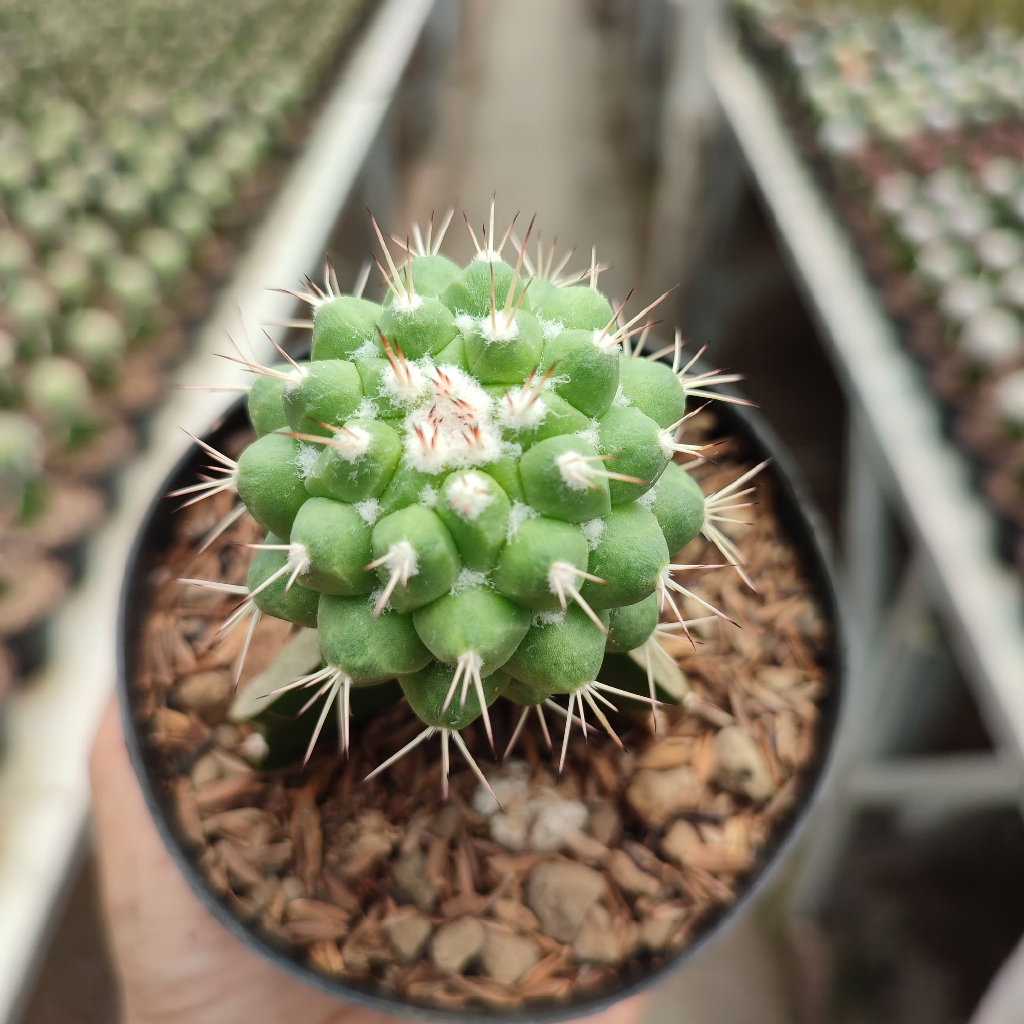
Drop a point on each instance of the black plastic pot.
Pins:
(804, 526)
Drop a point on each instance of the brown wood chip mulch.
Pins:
(578, 884)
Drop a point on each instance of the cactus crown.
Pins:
(470, 488)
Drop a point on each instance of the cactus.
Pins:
(472, 492)
(21, 466)
(58, 395)
(96, 339)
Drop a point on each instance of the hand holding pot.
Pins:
(177, 964)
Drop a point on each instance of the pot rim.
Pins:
(807, 532)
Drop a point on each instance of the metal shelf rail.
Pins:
(899, 463)
(44, 785)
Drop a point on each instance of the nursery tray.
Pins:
(981, 601)
(51, 721)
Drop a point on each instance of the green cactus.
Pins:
(69, 275)
(126, 201)
(15, 254)
(96, 240)
(21, 466)
(41, 213)
(32, 307)
(474, 520)
(17, 169)
(96, 338)
(9, 369)
(58, 395)
(167, 254)
(136, 289)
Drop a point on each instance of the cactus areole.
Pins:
(470, 488)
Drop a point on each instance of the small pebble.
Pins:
(510, 786)
(254, 748)
(596, 941)
(560, 893)
(456, 944)
(507, 958)
(659, 796)
(409, 873)
(206, 769)
(741, 768)
(605, 824)
(408, 932)
(174, 723)
(509, 830)
(554, 819)
(206, 693)
(682, 839)
(292, 888)
(657, 928)
(539, 823)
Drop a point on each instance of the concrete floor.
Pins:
(532, 113)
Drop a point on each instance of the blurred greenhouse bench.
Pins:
(50, 723)
(137, 155)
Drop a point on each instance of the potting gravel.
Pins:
(574, 885)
